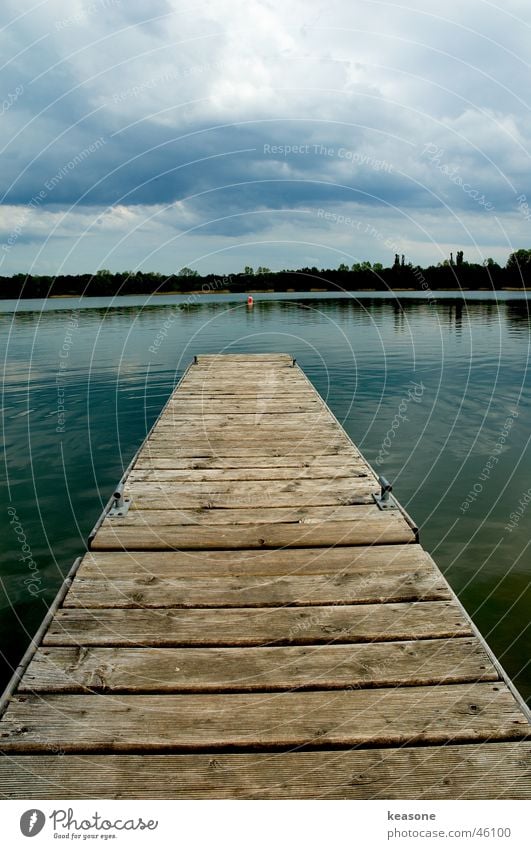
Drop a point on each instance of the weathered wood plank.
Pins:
(343, 486)
(288, 393)
(295, 453)
(156, 591)
(390, 529)
(270, 356)
(258, 626)
(343, 560)
(248, 405)
(282, 420)
(396, 716)
(274, 379)
(231, 366)
(244, 515)
(262, 424)
(251, 365)
(296, 464)
(136, 670)
(268, 372)
(278, 379)
(153, 470)
(151, 494)
(483, 771)
(263, 430)
(139, 474)
(279, 443)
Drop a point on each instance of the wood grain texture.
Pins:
(240, 403)
(302, 514)
(155, 591)
(263, 455)
(396, 716)
(170, 670)
(388, 529)
(177, 416)
(375, 561)
(272, 493)
(256, 626)
(157, 460)
(253, 476)
(481, 771)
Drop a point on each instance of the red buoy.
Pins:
(250, 301)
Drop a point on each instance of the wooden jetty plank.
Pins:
(246, 515)
(251, 443)
(178, 415)
(263, 431)
(374, 560)
(396, 716)
(249, 365)
(169, 670)
(258, 626)
(485, 770)
(263, 423)
(249, 392)
(269, 357)
(248, 405)
(389, 529)
(267, 382)
(153, 471)
(198, 446)
(293, 454)
(343, 488)
(268, 378)
(170, 460)
(226, 494)
(358, 581)
(153, 591)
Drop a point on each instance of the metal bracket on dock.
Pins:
(121, 504)
(385, 500)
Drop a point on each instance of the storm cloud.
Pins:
(154, 135)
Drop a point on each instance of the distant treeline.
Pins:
(458, 274)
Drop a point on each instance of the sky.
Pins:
(155, 134)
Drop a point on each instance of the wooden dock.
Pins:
(255, 626)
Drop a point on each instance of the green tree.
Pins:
(248, 270)
(519, 260)
(188, 272)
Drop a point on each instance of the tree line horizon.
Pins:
(402, 274)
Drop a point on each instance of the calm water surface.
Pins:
(81, 387)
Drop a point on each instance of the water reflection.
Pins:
(362, 353)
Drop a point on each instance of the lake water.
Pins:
(437, 390)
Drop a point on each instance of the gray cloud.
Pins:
(233, 120)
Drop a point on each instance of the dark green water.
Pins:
(468, 359)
